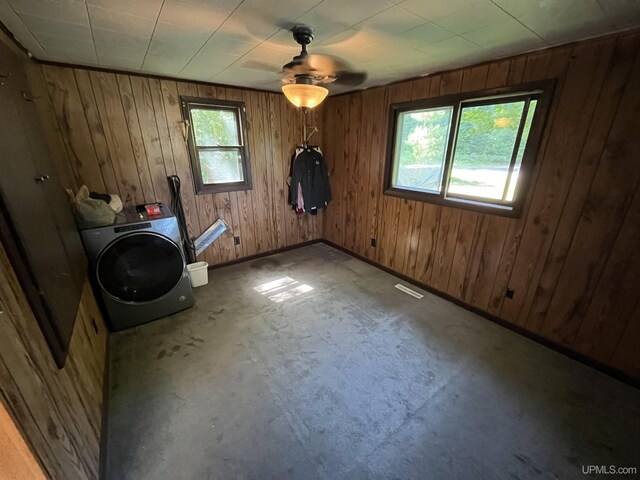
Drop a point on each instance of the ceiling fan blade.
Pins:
(256, 65)
(350, 78)
(297, 66)
(326, 64)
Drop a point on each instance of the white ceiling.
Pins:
(230, 41)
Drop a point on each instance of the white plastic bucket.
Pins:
(198, 273)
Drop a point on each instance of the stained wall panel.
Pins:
(568, 257)
(125, 134)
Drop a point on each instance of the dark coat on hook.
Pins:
(309, 169)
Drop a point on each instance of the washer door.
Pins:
(140, 267)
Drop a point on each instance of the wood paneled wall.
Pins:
(124, 134)
(59, 412)
(572, 258)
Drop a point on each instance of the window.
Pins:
(217, 144)
(473, 150)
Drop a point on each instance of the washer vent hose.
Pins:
(178, 210)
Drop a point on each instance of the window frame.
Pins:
(202, 188)
(543, 91)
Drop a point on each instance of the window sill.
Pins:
(209, 189)
(512, 211)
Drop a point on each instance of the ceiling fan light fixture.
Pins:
(304, 95)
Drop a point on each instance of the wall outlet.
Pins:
(373, 242)
(236, 240)
(510, 292)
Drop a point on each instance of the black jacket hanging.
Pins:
(309, 170)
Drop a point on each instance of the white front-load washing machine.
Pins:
(139, 267)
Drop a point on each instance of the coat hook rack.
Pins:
(306, 135)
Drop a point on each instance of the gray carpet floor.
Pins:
(310, 365)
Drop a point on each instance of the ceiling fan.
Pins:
(305, 73)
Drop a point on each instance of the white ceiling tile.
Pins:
(333, 16)
(345, 42)
(85, 49)
(560, 20)
(206, 67)
(452, 48)
(177, 50)
(287, 10)
(246, 42)
(507, 35)
(21, 32)
(269, 53)
(218, 53)
(51, 27)
(394, 21)
(84, 54)
(259, 20)
(238, 75)
(400, 60)
(177, 41)
(119, 58)
(200, 14)
(116, 21)
(119, 63)
(622, 13)
(434, 9)
(69, 11)
(139, 8)
(483, 14)
(283, 40)
(163, 64)
(60, 43)
(228, 44)
(391, 48)
(517, 8)
(124, 41)
(426, 34)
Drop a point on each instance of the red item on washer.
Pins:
(153, 209)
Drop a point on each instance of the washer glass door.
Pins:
(140, 267)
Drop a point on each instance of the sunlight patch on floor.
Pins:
(282, 289)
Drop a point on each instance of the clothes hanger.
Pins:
(305, 134)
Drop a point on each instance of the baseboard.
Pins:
(602, 367)
(265, 254)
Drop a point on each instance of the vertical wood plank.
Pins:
(606, 205)
(135, 134)
(616, 294)
(108, 101)
(537, 301)
(73, 127)
(577, 106)
(151, 138)
(176, 129)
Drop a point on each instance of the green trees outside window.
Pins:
(464, 149)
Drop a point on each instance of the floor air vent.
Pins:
(408, 291)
